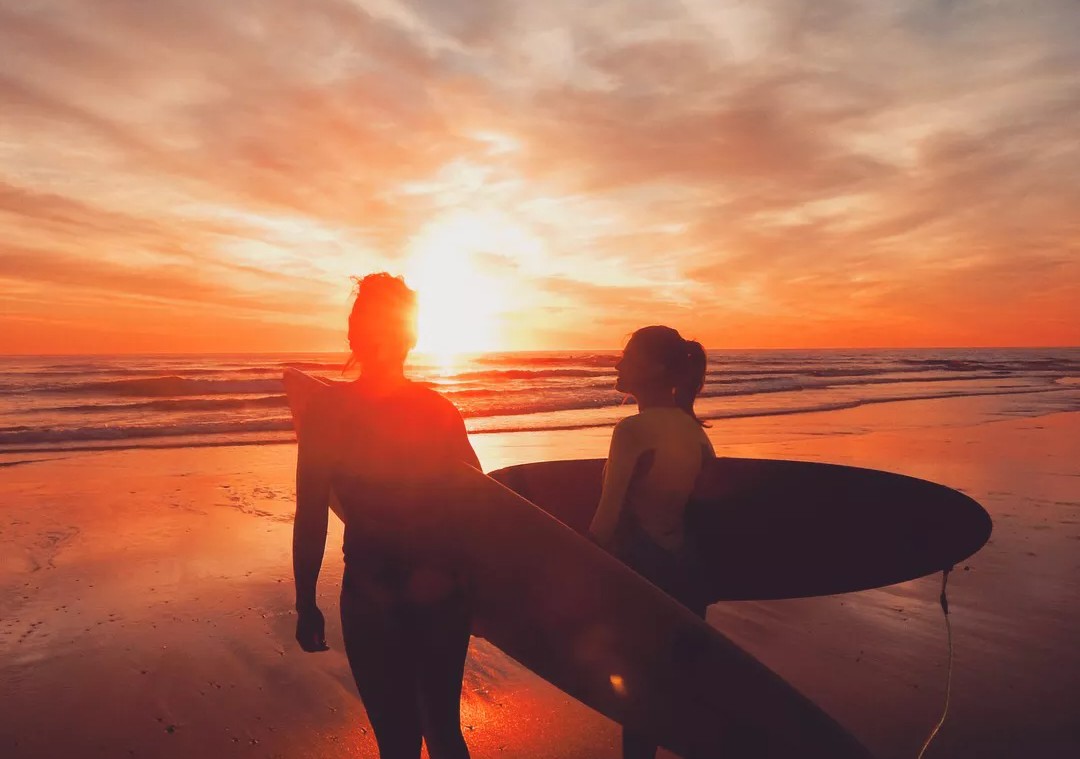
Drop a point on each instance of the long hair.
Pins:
(684, 362)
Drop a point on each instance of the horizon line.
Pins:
(538, 350)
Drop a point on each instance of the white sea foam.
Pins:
(60, 403)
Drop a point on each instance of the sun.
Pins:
(462, 300)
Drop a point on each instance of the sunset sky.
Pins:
(205, 175)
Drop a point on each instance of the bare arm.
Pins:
(618, 472)
(312, 511)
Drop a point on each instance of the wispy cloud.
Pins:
(770, 173)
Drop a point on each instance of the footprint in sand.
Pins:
(259, 494)
(190, 508)
(48, 545)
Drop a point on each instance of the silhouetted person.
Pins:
(406, 618)
(654, 462)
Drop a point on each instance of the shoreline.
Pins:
(160, 443)
(149, 589)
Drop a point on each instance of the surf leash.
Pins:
(948, 677)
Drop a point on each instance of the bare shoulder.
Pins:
(628, 428)
(707, 447)
(435, 402)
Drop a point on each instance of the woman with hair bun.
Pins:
(652, 467)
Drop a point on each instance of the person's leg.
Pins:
(673, 575)
(645, 558)
(442, 636)
(381, 658)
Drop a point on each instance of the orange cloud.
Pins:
(765, 176)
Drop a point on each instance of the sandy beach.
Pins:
(145, 603)
(844, 232)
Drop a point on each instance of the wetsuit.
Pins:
(405, 617)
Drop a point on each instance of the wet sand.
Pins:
(145, 603)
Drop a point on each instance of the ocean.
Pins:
(60, 403)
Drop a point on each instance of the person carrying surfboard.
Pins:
(652, 467)
(406, 620)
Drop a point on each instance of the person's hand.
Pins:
(311, 629)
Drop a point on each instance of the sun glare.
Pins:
(461, 300)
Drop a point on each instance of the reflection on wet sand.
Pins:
(145, 603)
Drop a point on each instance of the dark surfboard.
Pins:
(772, 529)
